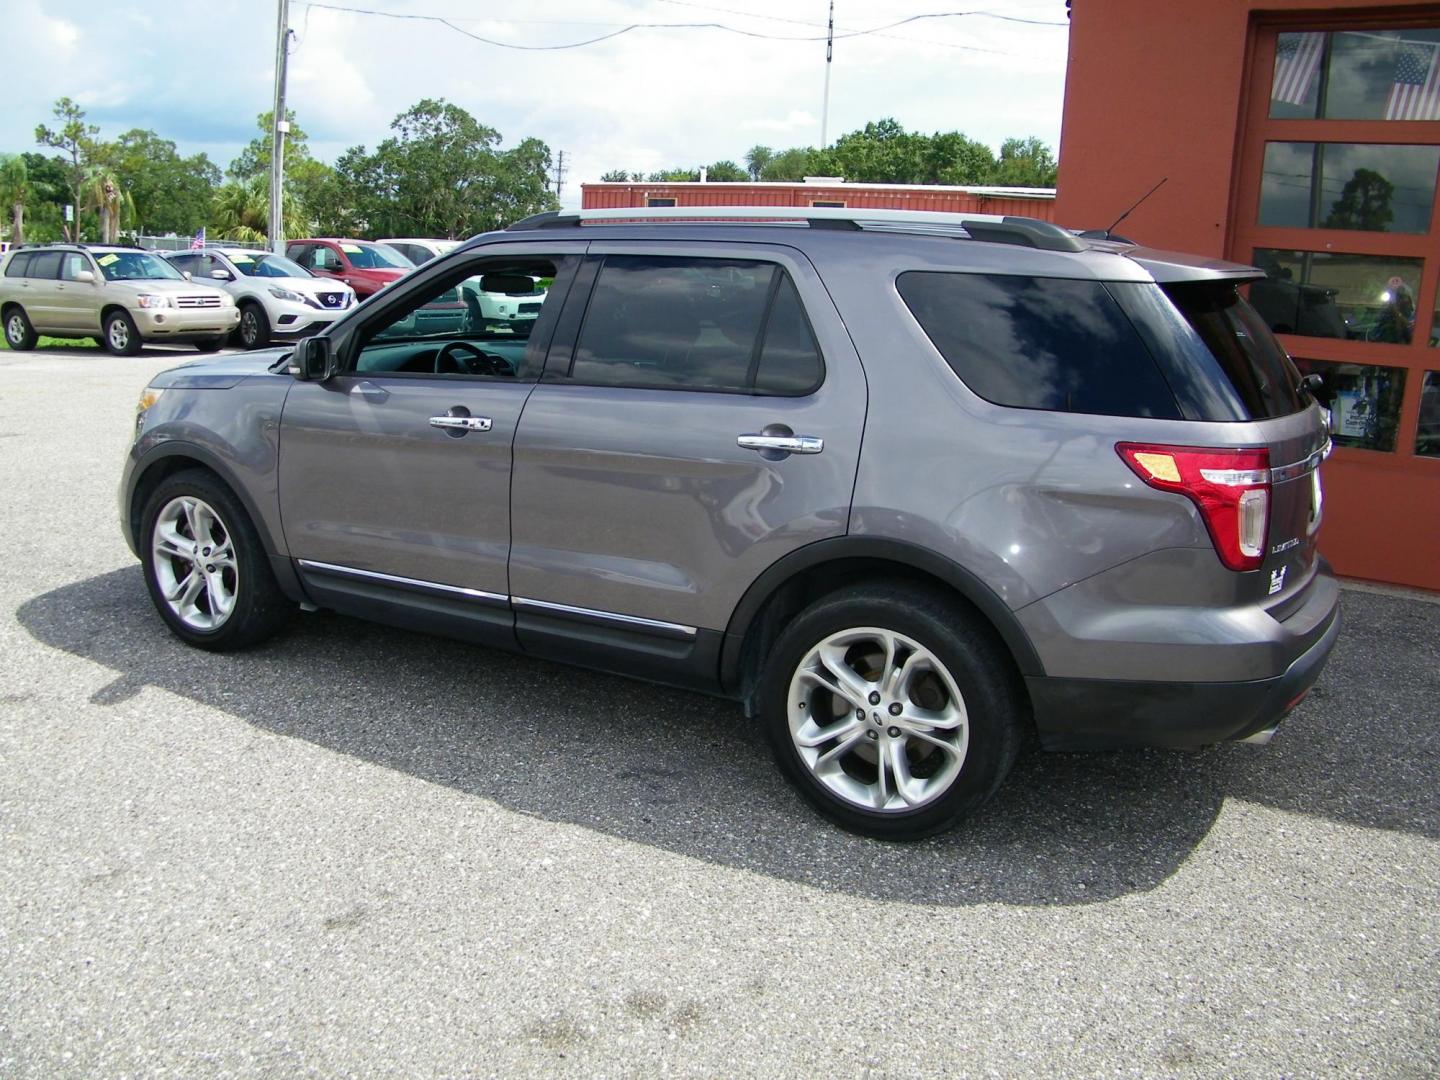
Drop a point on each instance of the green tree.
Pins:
(16, 191)
(1025, 163)
(170, 193)
(311, 183)
(104, 193)
(77, 143)
(1364, 203)
(442, 174)
(756, 158)
(793, 164)
(725, 172)
(618, 176)
(241, 211)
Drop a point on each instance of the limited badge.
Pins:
(1277, 580)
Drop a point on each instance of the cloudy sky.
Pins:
(198, 71)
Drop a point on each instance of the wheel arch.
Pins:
(815, 570)
(170, 458)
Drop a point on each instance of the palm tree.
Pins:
(242, 212)
(15, 191)
(102, 192)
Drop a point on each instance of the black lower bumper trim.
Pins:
(1095, 714)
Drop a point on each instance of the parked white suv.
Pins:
(278, 298)
(485, 307)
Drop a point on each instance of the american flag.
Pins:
(198, 243)
(1416, 93)
(1297, 61)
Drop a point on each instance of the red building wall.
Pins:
(955, 200)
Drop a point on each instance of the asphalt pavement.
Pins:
(361, 852)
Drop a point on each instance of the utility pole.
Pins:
(278, 131)
(829, 56)
(560, 175)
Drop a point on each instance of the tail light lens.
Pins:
(1231, 489)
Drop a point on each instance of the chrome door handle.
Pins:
(461, 423)
(786, 444)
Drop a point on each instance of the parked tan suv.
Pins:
(123, 297)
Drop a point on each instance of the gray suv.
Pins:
(907, 486)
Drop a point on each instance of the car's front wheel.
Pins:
(19, 334)
(894, 711)
(254, 329)
(121, 336)
(214, 344)
(205, 565)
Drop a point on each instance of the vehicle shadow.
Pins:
(691, 775)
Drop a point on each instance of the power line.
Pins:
(451, 25)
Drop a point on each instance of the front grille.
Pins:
(529, 309)
(197, 301)
(332, 299)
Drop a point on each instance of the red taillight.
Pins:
(1231, 488)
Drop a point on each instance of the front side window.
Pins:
(375, 257)
(135, 266)
(259, 264)
(466, 324)
(73, 263)
(1039, 343)
(1357, 75)
(696, 324)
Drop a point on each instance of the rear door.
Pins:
(77, 303)
(700, 416)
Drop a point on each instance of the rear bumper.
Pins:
(1092, 714)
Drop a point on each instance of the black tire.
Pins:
(254, 328)
(121, 337)
(19, 334)
(260, 609)
(982, 672)
(214, 344)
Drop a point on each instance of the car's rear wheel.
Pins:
(205, 566)
(254, 329)
(894, 711)
(121, 337)
(19, 334)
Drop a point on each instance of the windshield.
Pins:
(260, 265)
(375, 257)
(135, 266)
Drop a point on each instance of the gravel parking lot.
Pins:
(363, 852)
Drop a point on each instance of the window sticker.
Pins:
(241, 259)
(106, 260)
(350, 249)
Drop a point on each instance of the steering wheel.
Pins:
(476, 361)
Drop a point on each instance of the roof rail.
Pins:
(1023, 231)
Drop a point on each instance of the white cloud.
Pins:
(644, 100)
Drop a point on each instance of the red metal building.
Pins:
(1302, 136)
(1024, 202)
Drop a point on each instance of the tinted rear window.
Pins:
(1258, 369)
(1039, 343)
(44, 264)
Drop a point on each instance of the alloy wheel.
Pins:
(878, 720)
(194, 563)
(119, 334)
(15, 329)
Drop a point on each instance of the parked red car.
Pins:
(365, 267)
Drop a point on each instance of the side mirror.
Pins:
(1317, 388)
(313, 360)
(85, 277)
(222, 275)
(186, 275)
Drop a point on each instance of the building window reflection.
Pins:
(1357, 75)
(1337, 295)
(1364, 402)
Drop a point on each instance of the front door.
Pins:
(701, 422)
(395, 474)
